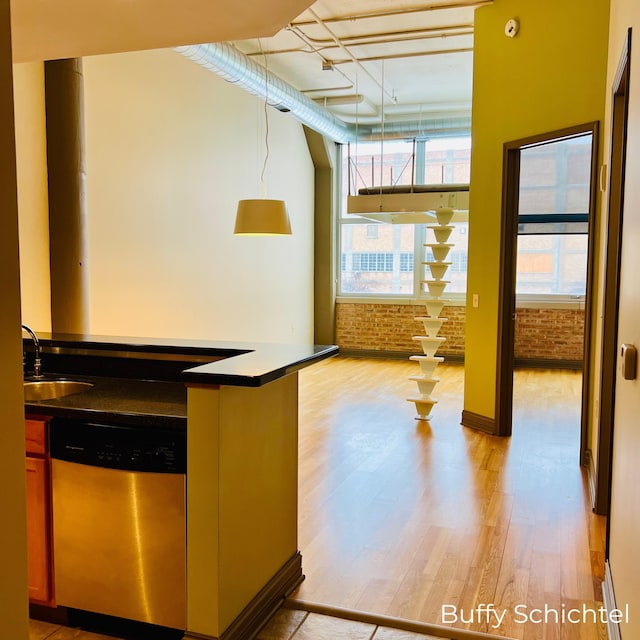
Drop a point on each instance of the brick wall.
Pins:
(549, 334)
(554, 334)
(390, 327)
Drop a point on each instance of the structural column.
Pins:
(67, 196)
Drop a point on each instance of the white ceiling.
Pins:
(416, 55)
(53, 29)
(410, 60)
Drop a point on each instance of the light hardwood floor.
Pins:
(401, 517)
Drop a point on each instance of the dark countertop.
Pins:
(119, 401)
(217, 362)
(123, 371)
(267, 362)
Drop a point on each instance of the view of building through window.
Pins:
(552, 264)
(380, 265)
(554, 185)
(438, 161)
(383, 259)
(555, 177)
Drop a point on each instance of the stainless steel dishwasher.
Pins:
(119, 531)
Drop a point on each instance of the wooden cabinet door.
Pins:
(35, 430)
(38, 541)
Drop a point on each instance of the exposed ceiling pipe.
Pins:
(226, 61)
(324, 90)
(353, 59)
(432, 128)
(399, 56)
(326, 63)
(355, 98)
(460, 4)
(366, 40)
(391, 37)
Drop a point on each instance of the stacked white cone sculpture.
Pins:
(432, 322)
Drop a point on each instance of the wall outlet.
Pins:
(475, 301)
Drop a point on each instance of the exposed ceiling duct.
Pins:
(427, 128)
(223, 59)
(226, 61)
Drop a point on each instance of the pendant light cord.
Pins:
(266, 120)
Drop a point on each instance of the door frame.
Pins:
(611, 295)
(508, 258)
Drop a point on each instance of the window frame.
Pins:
(420, 271)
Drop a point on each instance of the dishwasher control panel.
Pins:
(151, 449)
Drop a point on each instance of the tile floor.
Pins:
(287, 624)
(290, 624)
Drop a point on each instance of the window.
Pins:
(378, 259)
(382, 265)
(372, 261)
(372, 231)
(406, 262)
(387, 259)
(552, 264)
(553, 217)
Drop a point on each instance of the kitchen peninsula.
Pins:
(239, 406)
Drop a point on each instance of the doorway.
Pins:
(545, 215)
(611, 298)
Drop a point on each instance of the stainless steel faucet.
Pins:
(37, 362)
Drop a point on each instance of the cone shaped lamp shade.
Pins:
(262, 217)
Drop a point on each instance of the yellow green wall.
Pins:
(13, 553)
(242, 496)
(326, 162)
(171, 148)
(550, 76)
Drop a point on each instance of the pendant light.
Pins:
(263, 216)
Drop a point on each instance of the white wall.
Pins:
(33, 204)
(170, 150)
(624, 553)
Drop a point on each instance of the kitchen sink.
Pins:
(52, 389)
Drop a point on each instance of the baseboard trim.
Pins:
(458, 358)
(478, 422)
(54, 615)
(395, 355)
(609, 597)
(268, 600)
(424, 628)
(544, 363)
